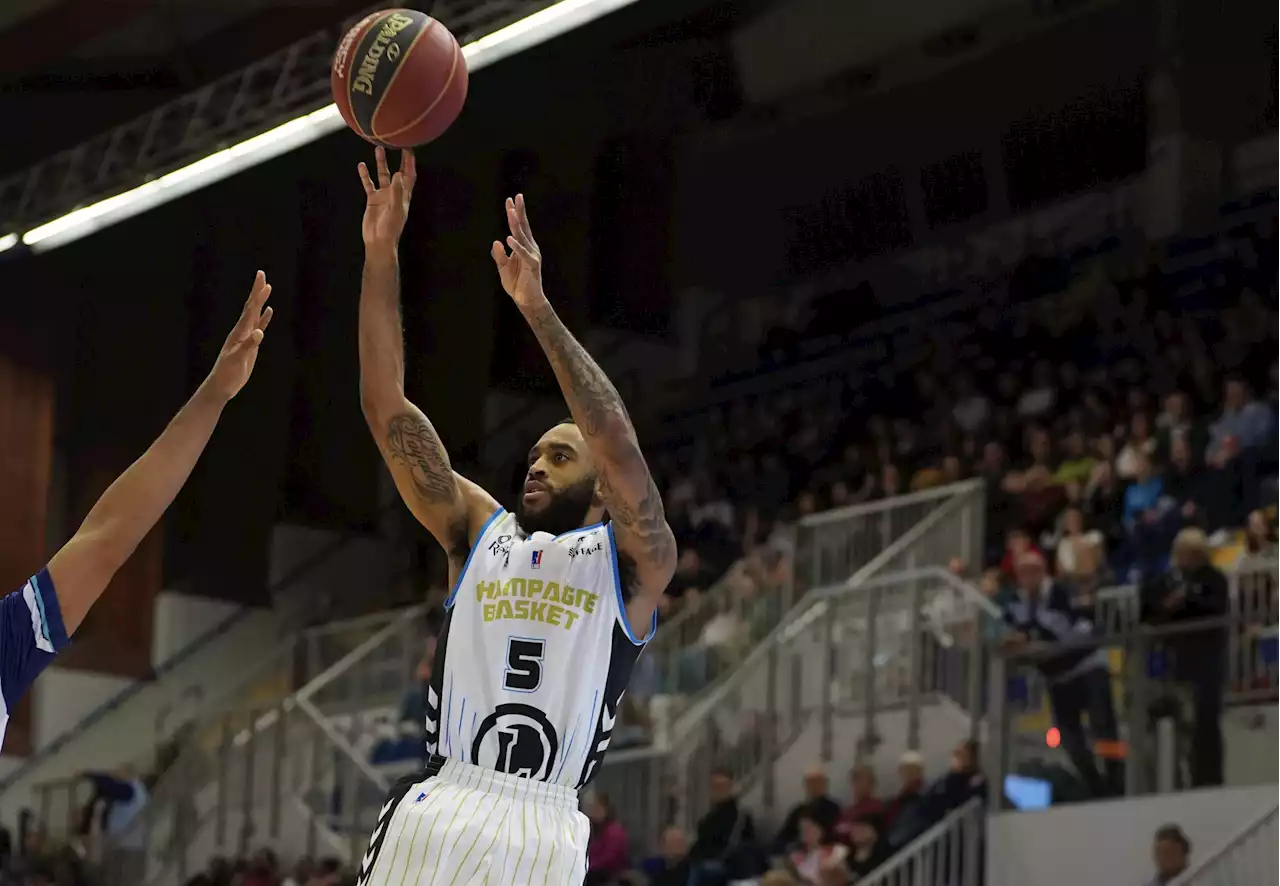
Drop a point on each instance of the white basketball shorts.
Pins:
(458, 824)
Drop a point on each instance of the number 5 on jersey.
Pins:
(524, 664)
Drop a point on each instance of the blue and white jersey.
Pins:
(534, 654)
(31, 634)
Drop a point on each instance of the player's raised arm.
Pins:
(451, 507)
(628, 490)
(134, 503)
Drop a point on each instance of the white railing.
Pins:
(845, 544)
(291, 770)
(1246, 859)
(843, 649)
(948, 854)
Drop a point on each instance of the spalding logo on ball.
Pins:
(399, 78)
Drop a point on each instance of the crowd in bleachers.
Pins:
(822, 840)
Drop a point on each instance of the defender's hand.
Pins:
(240, 351)
(387, 203)
(521, 269)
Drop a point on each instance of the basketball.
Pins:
(399, 78)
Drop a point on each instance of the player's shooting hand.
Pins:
(520, 269)
(387, 203)
(240, 351)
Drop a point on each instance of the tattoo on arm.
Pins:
(412, 442)
(593, 400)
(645, 522)
(601, 416)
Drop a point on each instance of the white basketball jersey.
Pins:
(534, 655)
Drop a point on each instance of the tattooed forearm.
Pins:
(414, 444)
(644, 522)
(632, 498)
(593, 400)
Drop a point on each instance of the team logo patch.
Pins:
(519, 740)
(536, 559)
(420, 797)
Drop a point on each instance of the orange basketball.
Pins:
(399, 78)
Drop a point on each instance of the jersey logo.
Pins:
(585, 546)
(519, 740)
(536, 559)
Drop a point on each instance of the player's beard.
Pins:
(566, 509)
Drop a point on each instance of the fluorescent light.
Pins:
(8, 241)
(539, 27)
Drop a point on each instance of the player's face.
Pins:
(560, 486)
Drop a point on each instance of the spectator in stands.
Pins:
(119, 799)
(1104, 505)
(1194, 589)
(1139, 446)
(608, 854)
(264, 869)
(1076, 670)
(1077, 463)
(867, 848)
(1172, 854)
(911, 787)
(302, 873)
(1176, 422)
(963, 782)
(1248, 420)
(1017, 543)
(817, 804)
(1260, 536)
(862, 779)
(671, 866)
(725, 834)
(1080, 552)
(815, 850)
(1142, 498)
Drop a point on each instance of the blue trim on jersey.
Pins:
(448, 602)
(622, 606)
(23, 627)
(580, 529)
(55, 631)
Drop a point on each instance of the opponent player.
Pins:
(36, 622)
(551, 605)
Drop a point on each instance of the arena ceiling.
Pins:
(72, 68)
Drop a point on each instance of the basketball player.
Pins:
(550, 604)
(36, 622)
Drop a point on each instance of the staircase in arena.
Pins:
(228, 659)
(291, 772)
(845, 545)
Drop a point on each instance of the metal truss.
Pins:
(267, 93)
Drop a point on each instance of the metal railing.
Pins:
(282, 86)
(281, 767)
(843, 544)
(853, 644)
(1248, 857)
(290, 594)
(948, 854)
(1128, 718)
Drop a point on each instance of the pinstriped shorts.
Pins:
(457, 824)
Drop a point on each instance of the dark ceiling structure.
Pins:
(71, 68)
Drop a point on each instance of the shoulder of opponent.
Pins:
(31, 633)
